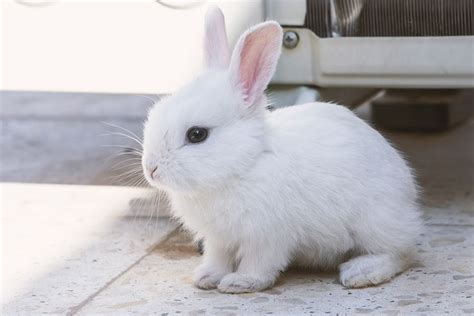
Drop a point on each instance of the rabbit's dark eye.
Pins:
(196, 134)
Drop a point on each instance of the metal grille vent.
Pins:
(358, 18)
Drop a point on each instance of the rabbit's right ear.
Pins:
(216, 47)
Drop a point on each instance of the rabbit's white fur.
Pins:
(311, 185)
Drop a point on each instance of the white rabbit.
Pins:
(309, 185)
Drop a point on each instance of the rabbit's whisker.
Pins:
(121, 128)
(124, 135)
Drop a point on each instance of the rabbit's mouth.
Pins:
(156, 180)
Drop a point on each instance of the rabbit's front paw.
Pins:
(207, 277)
(242, 283)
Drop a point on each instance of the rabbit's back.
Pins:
(332, 141)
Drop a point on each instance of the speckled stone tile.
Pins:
(448, 217)
(442, 280)
(62, 244)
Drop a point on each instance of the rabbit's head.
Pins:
(213, 130)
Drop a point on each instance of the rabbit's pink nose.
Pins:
(154, 174)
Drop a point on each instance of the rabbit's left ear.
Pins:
(254, 60)
(216, 47)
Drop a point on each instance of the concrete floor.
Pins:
(87, 249)
(67, 138)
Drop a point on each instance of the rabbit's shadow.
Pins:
(314, 279)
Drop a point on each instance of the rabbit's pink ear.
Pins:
(216, 47)
(254, 60)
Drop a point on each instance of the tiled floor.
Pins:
(80, 249)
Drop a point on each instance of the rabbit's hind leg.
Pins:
(368, 270)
